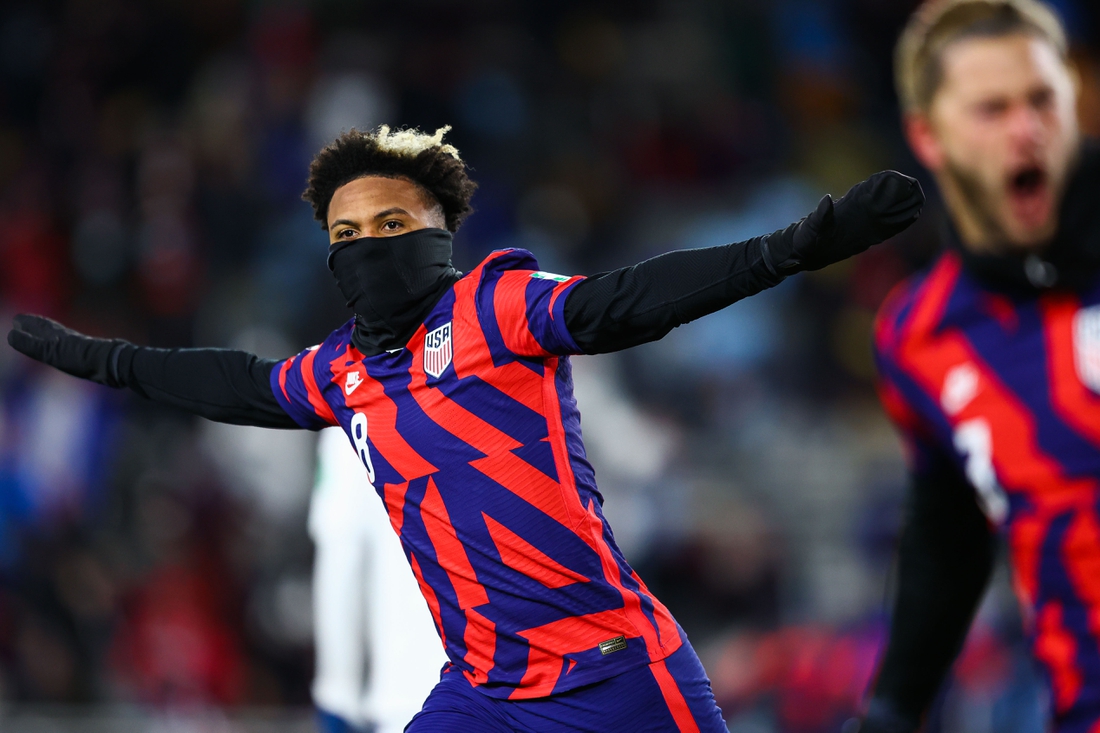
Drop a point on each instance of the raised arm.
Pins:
(945, 560)
(634, 305)
(218, 384)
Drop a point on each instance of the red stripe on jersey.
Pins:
(320, 407)
(1075, 403)
(1056, 647)
(594, 534)
(370, 397)
(394, 497)
(499, 463)
(523, 557)
(674, 698)
(568, 636)
(1081, 559)
(558, 290)
(472, 355)
(282, 376)
(556, 434)
(632, 601)
(666, 626)
(934, 293)
(429, 596)
(481, 645)
(449, 551)
(927, 356)
(510, 297)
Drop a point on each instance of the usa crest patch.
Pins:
(437, 350)
(1086, 346)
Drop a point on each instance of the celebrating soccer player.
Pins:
(455, 392)
(990, 361)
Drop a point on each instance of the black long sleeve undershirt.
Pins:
(945, 559)
(615, 310)
(219, 384)
(607, 312)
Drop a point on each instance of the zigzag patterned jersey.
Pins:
(471, 437)
(1007, 392)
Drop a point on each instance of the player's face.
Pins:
(380, 207)
(1001, 135)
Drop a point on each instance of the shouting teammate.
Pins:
(455, 391)
(990, 361)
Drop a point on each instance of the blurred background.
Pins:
(155, 568)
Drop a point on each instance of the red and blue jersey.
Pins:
(471, 437)
(1006, 391)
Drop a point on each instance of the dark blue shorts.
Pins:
(670, 696)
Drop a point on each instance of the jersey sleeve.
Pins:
(923, 452)
(528, 308)
(295, 384)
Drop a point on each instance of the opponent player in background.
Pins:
(377, 655)
(990, 361)
(456, 394)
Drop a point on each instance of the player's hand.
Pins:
(871, 212)
(71, 352)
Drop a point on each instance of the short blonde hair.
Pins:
(411, 142)
(918, 56)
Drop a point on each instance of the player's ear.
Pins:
(922, 140)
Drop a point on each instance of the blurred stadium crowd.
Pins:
(151, 158)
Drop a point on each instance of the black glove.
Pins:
(71, 352)
(872, 211)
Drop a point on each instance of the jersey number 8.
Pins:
(359, 439)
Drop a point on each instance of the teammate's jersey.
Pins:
(1007, 392)
(472, 438)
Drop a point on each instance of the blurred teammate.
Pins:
(377, 653)
(455, 392)
(990, 361)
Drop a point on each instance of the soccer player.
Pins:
(455, 393)
(990, 360)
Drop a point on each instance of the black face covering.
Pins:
(392, 283)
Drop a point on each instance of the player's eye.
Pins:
(1042, 99)
(347, 234)
(992, 109)
(391, 226)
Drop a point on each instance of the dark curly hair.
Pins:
(421, 158)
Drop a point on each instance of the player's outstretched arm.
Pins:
(218, 384)
(945, 560)
(634, 305)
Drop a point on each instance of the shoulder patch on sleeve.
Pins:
(540, 275)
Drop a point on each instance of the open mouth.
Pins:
(1029, 181)
(1030, 196)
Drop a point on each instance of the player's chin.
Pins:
(1024, 234)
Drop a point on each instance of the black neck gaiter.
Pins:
(392, 284)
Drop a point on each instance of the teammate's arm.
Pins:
(945, 560)
(218, 384)
(634, 305)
